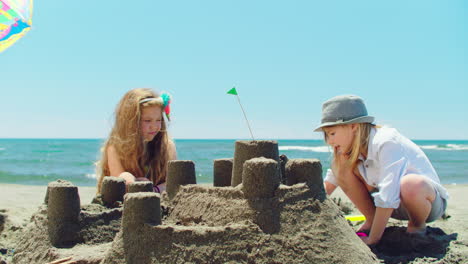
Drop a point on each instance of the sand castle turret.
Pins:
(140, 209)
(112, 190)
(245, 150)
(63, 213)
(222, 172)
(260, 178)
(180, 172)
(140, 186)
(308, 171)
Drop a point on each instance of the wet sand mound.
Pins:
(397, 246)
(97, 228)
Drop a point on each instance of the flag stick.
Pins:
(251, 134)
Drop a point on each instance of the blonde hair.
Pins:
(128, 142)
(359, 144)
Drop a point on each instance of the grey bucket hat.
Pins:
(344, 109)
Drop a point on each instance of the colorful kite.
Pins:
(15, 21)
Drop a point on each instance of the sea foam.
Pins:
(91, 175)
(302, 148)
(449, 147)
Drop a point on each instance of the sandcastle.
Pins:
(140, 186)
(63, 213)
(255, 220)
(222, 172)
(181, 172)
(245, 150)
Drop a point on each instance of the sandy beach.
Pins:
(19, 202)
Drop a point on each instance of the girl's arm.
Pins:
(115, 167)
(329, 187)
(378, 225)
(392, 163)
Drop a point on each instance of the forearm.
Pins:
(379, 223)
(329, 187)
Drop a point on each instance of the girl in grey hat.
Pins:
(382, 172)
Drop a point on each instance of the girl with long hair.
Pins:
(139, 147)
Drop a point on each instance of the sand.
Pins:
(446, 240)
(208, 224)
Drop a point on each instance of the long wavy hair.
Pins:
(135, 155)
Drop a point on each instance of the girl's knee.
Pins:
(414, 185)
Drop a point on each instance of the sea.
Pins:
(40, 161)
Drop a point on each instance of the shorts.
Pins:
(439, 205)
(437, 210)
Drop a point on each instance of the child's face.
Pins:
(340, 137)
(151, 120)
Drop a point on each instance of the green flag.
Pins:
(232, 91)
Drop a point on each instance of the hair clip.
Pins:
(166, 98)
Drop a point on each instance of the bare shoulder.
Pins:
(111, 151)
(113, 159)
(112, 154)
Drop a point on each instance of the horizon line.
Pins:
(73, 138)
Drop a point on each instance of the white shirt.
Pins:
(391, 156)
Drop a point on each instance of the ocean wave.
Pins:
(1, 149)
(91, 175)
(445, 147)
(302, 148)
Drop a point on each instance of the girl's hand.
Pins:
(128, 177)
(368, 241)
(366, 227)
(339, 163)
(341, 157)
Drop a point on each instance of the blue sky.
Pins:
(407, 59)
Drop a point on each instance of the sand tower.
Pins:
(63, 213)
(140, 209)
(260, 179)
(140, 186)
(222, 172)
(245, 150)
(112, 190)
(180, 172)
(308, 171)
